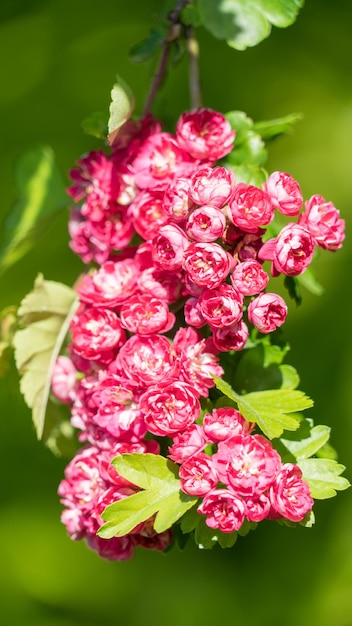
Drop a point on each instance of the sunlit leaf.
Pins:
(306, 441)
(44, 316)
(161, 495)
(245, 23)
(273, 410)
(310, 282)
(270, 129)
(323, 477)
(121, 107)
(250, 173)
(96, 125)
(41, 194)
(207, 537)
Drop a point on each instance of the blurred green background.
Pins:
(58, 63)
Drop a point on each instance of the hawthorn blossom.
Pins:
(267, 312)
(206, 224)
(148, 214)
(290, 494)
(249, 278)
(223, 510)
(176, 200)
(233, 337)
(198, 475)
(147, 359)
(169, 246)
(64, 379)
(207, 264)
(323, 221)
(250, 208)
(221, 307)
(224, 423)
(145, 315)
(212, 186)
(159, 161)
(169, 408)
(291, 252)
(96, 333)
(109, 286)
(187, 443)
(285, 193)
(205, 134)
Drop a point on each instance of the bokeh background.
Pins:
(58, 61)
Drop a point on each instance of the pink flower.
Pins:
(96, 180)
(192, 313)
(223, 509)
(95, 333)
(323, 221)
(176, 201)
(285, 193)
(169, 247)
(115, 549)
(64, 379)
(289, 494)
(267, 312)
(206, 224)
(249, 278)
(149, 214)
(212, 186)
(258, 508)
(250, 208)
(198, 363)
(109, 286)
(145, 315)
(187, 443)
(205, 134)
(159, 161)
(147, 360)
(161, 284)
(198, 475)
(291, 252)
(248, 464)
(232, 337)
(118, 410)
(207, 264)
(169, 408)
(224, 423)
(222, 306)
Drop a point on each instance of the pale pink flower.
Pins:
(148, 214)
(169, 408)
(222, 306)
(147, 360)
(223, 509)
(159, 161)
(144, 314)
(250, 208)
(232, 337)
(207, 264)
(212, 186)
(224, 423)
(205, 134)
(118, 410)
(323, 221)
(291, 252)
(64, 379)
(96, 333)
(249, 278)
(169, 247)
(290, 494)
(187, 443)
(257, 508)
(248, 464)
(198, 475)
(176, 201)
(206, 224)
(285, 193)
(267, 312)
(109, 286)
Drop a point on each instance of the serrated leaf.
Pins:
(41, 194)
(45, 314)
(190, 520)
(261, 368)
(121, 107)
(250, 151)
(241, 123)
(245, 23)
(249, 173)
(270, 129)
(96, 125)
(323, 477)
(144, 50)
(207, 537)
(161, 495)
(306, 441)
(272, 409)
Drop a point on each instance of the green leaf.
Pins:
(309, 281)
(292, 285)
(41, 194)
(96, 125)
(190, 16)
(44, 315)
(323, 477)
(241, 123)
(190, 520)
(245, 23)
(59, 435)
(121, 107)
(305, 442)
(207, 538)
(250, 173)
(250, 151)
(270, 129)
(261, 368)
(161, 496)
(144, 50)
(269, 409)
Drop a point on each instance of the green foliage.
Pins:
(270, 129)
(261, 368)
(161, 495)
(41, 194)
(245, 23)
(303, 443)
(273, 410)
(309, 281)
(121, 107)
(207, 538)
(96, 125)
(293, 287)
(323, 477)
(144, 50)
(44, 316)
(7, 329)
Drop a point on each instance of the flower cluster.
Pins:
(179, 247)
